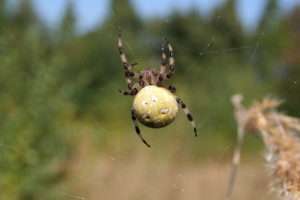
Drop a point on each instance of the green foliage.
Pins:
(68, 24)
(289, 70)
(57, 84)
(123, 15)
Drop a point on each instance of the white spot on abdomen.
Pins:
(154, 98)
(164, 111)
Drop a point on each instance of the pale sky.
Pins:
(92, 12)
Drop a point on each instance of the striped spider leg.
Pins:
(130, 75)
(137, 129)
(132, 84)
(167, 69)
(167, 64)
(187, 113)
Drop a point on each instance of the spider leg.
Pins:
(134, 64)
(172, 88)
(137, 129)
(171, 61)
(187, 113)
(163, 64)
(129, 74)
(132, 92)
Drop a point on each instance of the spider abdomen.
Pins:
(155, 106)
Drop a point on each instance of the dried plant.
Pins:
(280, 134)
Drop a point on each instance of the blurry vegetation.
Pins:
(58, 86)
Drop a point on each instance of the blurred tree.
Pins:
(123, 16)
(68, 23)
(187, 31)
(289, 72)
(266, 52)
(34, 146)
(270, 16)
(226, 22)
(3, 14)
(24, 16)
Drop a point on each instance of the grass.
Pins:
(142, 173)
(280, 134)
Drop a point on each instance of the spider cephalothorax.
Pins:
(155, 105)
(149, 77)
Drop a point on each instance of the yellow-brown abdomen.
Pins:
(155, 106)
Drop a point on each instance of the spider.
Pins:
(155, 105)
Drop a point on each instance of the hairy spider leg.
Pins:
(187, 113)
(171, 61)
(129, 74)
(137, 129)
(132, 92)
(163, 64)
(172, 88)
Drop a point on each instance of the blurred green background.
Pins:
(59, 88)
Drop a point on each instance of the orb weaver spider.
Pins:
(155, 105)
